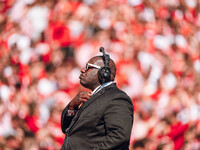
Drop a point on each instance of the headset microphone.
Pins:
(104, 72)
(102, 50)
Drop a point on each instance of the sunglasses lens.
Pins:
(86, 67)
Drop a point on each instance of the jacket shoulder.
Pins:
(115, 93)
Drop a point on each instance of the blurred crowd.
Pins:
(156, 47)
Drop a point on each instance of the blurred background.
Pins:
(156, 47)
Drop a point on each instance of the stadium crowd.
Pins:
(155, 44)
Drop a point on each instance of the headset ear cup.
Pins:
(104, 75)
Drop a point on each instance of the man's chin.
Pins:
(83, 84)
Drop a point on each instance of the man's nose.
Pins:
(82, 70)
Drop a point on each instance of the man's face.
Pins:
(89, 74)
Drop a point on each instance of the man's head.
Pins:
(89, 75)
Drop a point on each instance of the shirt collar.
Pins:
(101, 87)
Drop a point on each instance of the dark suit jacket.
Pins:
(104, 122)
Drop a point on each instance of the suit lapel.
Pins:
(86, 104)
(93, 97)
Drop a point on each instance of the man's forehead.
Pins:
(96, 60)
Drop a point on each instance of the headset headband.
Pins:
(106, 57)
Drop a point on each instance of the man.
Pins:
(100, 119)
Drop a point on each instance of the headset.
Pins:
(104, 72)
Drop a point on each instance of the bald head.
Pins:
(98, 60)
